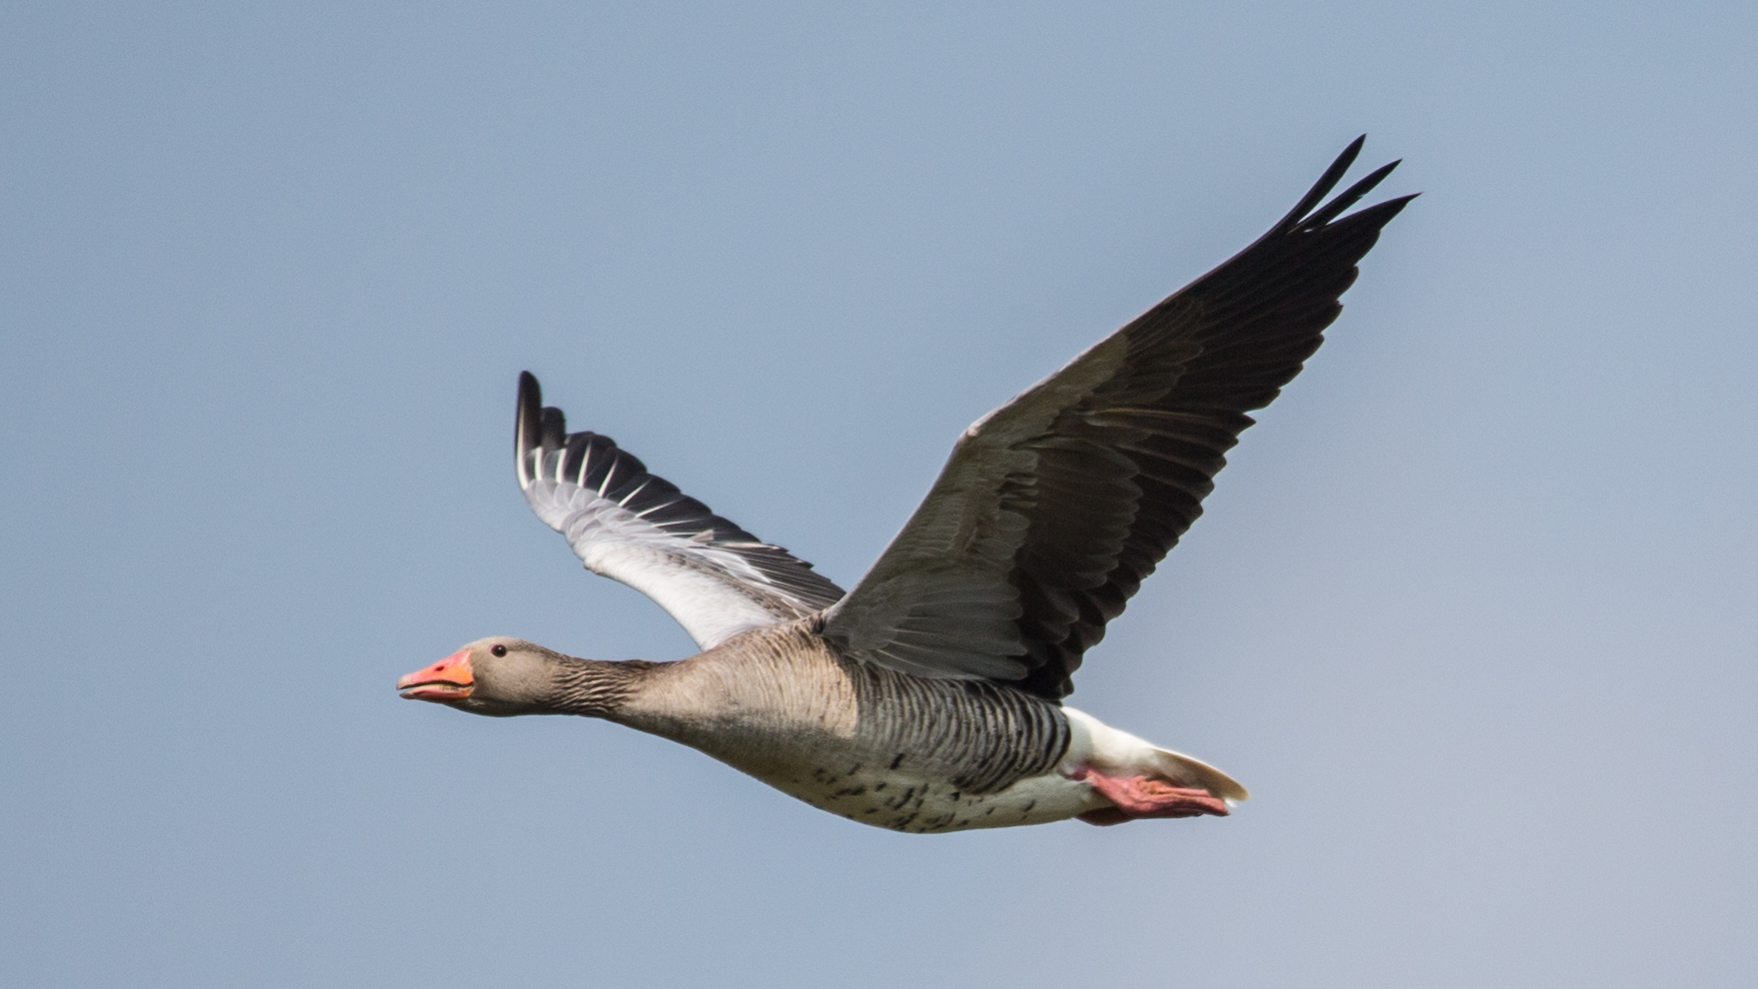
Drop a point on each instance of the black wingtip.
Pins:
(552, 428)
(1379, 214)
(1348, 197)
(1324, 185)
(1350, 153)
(527, 425)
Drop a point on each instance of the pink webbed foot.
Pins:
(1138, 797)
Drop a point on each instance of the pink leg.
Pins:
(1139, 797)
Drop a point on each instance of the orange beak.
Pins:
(449, 679)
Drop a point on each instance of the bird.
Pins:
(929, 699)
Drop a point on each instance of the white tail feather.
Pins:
(1118, 753)
(1176, 767)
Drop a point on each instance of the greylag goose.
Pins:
(929, 698)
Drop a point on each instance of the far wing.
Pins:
(715, 578)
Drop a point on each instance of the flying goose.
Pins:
(929, 698)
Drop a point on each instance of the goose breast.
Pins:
(867, 743)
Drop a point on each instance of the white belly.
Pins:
(902, 802)
(889, 789)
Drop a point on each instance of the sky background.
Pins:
(1474, 610)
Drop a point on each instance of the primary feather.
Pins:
(715, 578)
(1053, 508)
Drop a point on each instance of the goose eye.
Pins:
(498, 649)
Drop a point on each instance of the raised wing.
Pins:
(1055, 507)
(715, 578)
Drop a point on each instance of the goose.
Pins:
(930, 697)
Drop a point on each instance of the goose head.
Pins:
(503, 676)
(498, 676)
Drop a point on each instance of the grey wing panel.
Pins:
(624, 522)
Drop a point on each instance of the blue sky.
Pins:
(1471, 611)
